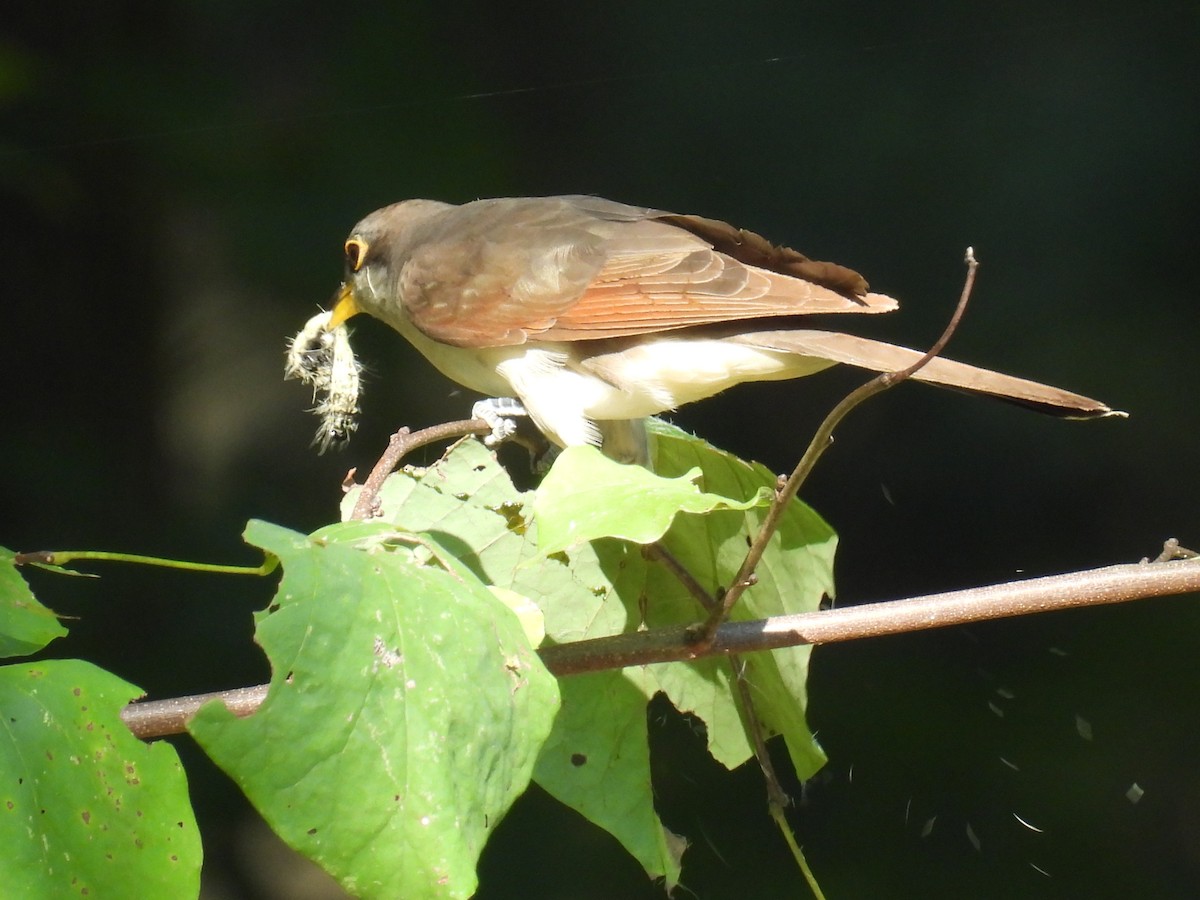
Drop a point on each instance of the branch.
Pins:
(1092, 587)
(402, 443)
(157, 718)
(820, 442)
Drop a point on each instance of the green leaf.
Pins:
(25, 625)
(405, 712)
(87, 809)
(597, 761)
(795, 573)
(586, 496)
(467, 505)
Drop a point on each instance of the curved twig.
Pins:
(818, 445)
(402, 443)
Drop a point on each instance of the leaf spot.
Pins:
(389, 658)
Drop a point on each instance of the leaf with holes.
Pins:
(87, 809)
(467, 507)
(405, 712)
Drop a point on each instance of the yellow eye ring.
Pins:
(356, 253)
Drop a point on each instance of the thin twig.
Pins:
(1173, 550)
(63, 558)
(817, 446)
(1092, 587)
(402, 443)
(658, 552)
(797, 854)
(776, 796)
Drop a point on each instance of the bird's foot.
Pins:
(499, 413)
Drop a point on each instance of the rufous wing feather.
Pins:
(562, 269)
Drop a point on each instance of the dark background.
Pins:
(176, 183)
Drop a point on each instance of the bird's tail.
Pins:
(881, 357)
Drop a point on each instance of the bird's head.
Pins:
(374, 252)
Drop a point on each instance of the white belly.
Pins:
(564, 391)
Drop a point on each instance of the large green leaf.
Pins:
(87, 809)
(25, 625)
(468, 506)
(404, 716)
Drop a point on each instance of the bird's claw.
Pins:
(499, 413)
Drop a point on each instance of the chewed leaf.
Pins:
(25, 625)
(405, 712)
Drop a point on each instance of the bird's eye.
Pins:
(356, 253)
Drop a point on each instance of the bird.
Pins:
(590, 315)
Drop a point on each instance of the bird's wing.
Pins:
(502, 272)
(881, 357)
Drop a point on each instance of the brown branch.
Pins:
(817, 446)
(155, 718)
(1092, 587)
(402, 443)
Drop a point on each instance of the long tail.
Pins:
(880, 357)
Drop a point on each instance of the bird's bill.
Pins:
(344, 306)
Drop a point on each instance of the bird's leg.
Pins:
(499, 413)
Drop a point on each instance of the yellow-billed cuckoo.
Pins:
(593, 314)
